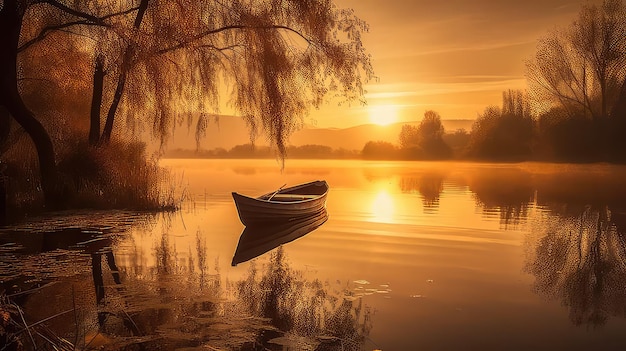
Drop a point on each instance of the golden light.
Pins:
(383, 114)
(383, 207)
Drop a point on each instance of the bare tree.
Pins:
(516, 104)
(580, 68)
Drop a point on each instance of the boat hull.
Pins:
(284, 205)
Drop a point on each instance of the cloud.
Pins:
(462, 85)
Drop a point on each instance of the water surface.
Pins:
(413, 255)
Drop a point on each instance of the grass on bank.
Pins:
(118, 176)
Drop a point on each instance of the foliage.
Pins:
(503, 134)
(426, 140)
(458, 142)
(430, 127)
(431, 133)
(9, 315)
(379, 150)
(577, 85)
(408, 136)
(119, 176)
(572, 139)
(276, 59)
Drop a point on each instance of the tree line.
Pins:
(249, 151)
(574, 109)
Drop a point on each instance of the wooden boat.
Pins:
(257, 240)
(283, 204)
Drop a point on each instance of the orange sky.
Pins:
(452, 56)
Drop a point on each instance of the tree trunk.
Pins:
(121, 82)
(619, 108)
(96, 101)
(617, 124)
(119, 89)
(5, 128)
(10, 26)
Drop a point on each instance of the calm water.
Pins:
(413, 255)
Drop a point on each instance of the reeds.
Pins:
(120, 175)
(17, 334)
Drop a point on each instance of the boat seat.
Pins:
(293, 197)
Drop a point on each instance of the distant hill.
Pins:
(354, 138)
(231, 131)
(226, 133)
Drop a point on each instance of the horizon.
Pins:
(458, 70)
(231, 131)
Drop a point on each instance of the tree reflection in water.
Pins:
(582, 262)
(429, 185)
(305, 313)
(507, 191)
(178, 303)
(112, 304)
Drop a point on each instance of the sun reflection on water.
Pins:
(383, 207)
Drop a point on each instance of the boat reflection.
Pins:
(257, 240)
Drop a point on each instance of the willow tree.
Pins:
(273, 60)
(163, 62)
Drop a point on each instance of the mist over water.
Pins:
(514, 256)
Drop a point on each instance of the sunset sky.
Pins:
(454, 56)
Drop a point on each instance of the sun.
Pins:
(383, 114)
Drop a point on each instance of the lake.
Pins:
(411, 255)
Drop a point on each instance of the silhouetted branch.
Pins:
(230, 47)
(72, 11)
(46, 30)
(199, 36)
(88, 22)
(121, 13)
